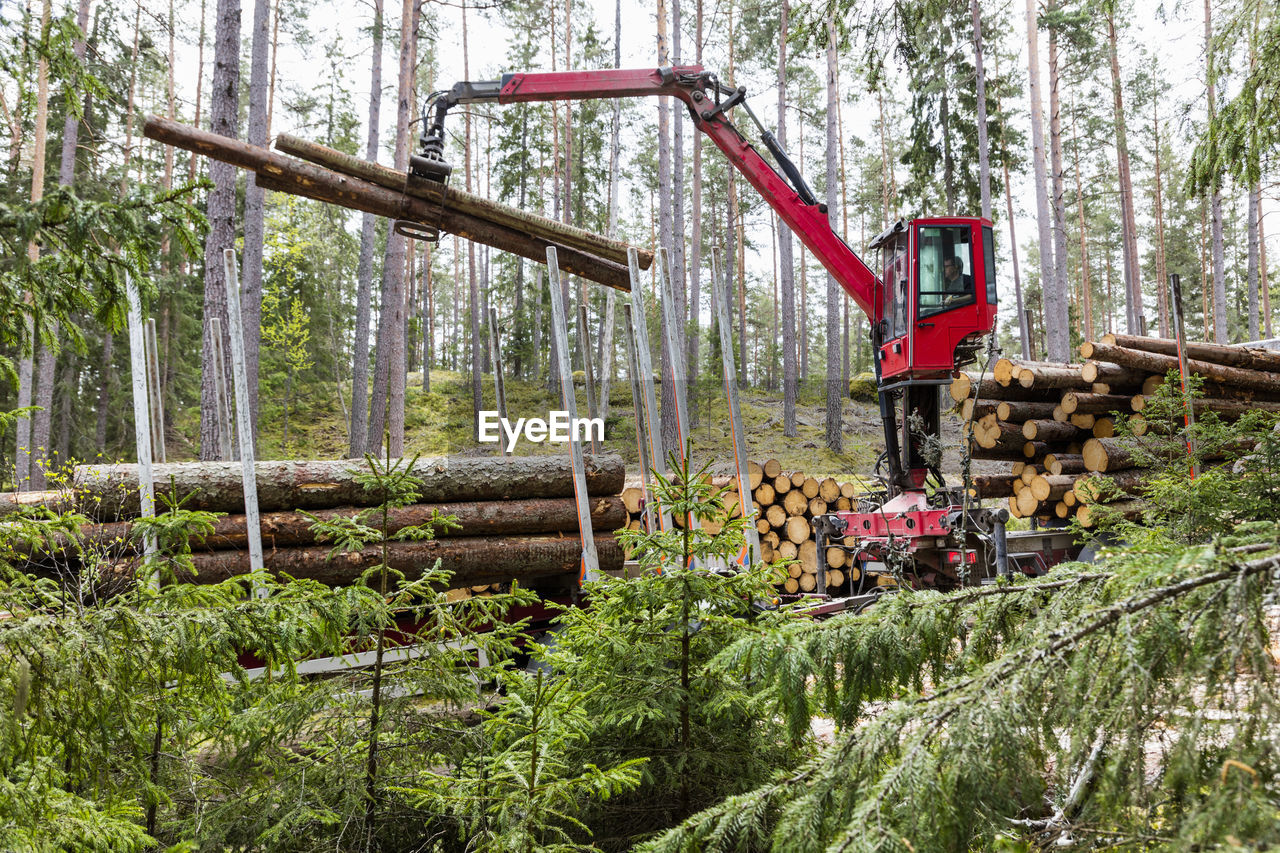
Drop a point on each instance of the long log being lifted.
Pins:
(478, 206)
(285, 174)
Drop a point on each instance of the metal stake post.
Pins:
(588, 375)
(156, 400)
(495, 353)
(1179, 331)
(243, 426)
(223, 400)
(640, 328)
(751, 552)
(590, 570)
(637, 397)
(141, 415)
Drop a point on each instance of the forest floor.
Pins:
(440, 422)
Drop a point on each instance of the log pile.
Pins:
(1055, 424)
(514, 518)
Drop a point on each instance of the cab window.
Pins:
(946, 269)
(895, 286)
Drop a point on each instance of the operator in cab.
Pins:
(957, 286)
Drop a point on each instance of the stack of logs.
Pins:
(516, 518)
(785, 505)
(1055, 423)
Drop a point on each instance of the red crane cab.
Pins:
(937, 296)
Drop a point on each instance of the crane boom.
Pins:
(701, 92)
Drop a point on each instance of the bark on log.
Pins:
(55, 500)
(1106, 455)
(1095, 488)
(111, 490)
(293, 529)
(1246, 357)
(1238, 377)
(471, 561)
(1087, 514)
(1064, 463)
(1051, 431)
(1074, 402)
(1025, 410)
(995, 486)
(474, 205)
(1056, 376)
(1112, 374)
(285, 174)
(1051, 487)
(989, 389)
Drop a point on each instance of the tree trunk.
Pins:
(615, 177)
(694, 342)
(26, 372)
(1128, 224)
(358, 441)
(1215, 205)
(666, 235)
(1262, 268)
(471, 562)
(217, 486)
(223, 112)
(1255, 199)
(785, 263)
(1086, 286)
(835, 393)
(104, 392)
(980, 80)
(1236, 377)
(387, 410)
(288, 529)
(678, 264)
(1162, 277)
(1058, 309)
(254, 207)
(1058, 340)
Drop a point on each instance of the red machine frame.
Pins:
(916, 352)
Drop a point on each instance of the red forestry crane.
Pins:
(931, 308)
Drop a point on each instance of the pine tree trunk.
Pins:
(834, 396)
(358, 435)
(223, 114)
(254, 207)
(785, 261)
(1255, 198)
(1129, 229)
(666, 232)
(193, 161)
(1024, 334)
(104, 393)
(1058, 341)
(980, 81)
(24, 469)
(1162, 278)
(1215, 204)
(1086, 287)
(678, 263)
(1058, 309)
(473, 284)
(1262, 268)
(387, 411)
(695, 237)
(615, 177)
